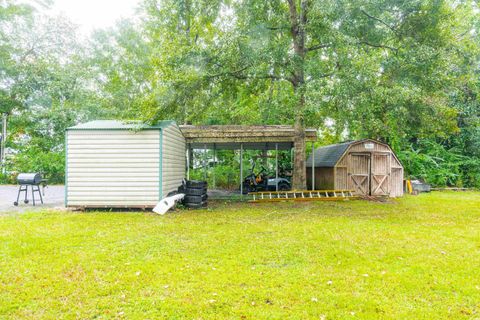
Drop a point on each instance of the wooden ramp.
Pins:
(302, 195)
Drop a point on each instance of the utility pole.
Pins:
(3, 140)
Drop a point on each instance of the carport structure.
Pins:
(241, 137)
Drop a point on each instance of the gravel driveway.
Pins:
(54, 198)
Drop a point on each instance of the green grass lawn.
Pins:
(412, 258)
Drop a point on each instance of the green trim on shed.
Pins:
(160, 165)
(66, 168)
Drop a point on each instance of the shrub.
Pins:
(50, 164)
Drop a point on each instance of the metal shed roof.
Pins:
(328, 156)
(120, 125)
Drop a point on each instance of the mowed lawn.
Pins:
(412, 258)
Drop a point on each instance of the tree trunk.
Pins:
(299, 181)
(298, 20)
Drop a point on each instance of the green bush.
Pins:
(225, 176)
(4, 179)
(439, 166)
(50, 164)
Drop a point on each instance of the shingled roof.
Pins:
(328, 156)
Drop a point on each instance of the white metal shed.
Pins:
(117, 164)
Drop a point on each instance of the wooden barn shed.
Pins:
(119, 164)
(367, 166)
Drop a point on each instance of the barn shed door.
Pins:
(359, 173)
(380, 185)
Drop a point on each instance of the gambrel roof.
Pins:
(328, 156)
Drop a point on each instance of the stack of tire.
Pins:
(195, 194)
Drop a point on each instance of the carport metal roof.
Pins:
(232, 137)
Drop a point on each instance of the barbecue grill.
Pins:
(29, 179)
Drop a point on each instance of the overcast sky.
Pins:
(92, 14)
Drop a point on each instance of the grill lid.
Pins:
(29, 178)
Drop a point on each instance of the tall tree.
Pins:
(379, 69)
(378, 60)
(44, 89)
(10, 13)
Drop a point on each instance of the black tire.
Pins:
(195, 199)
(247, 187)
(181, 189)
(196, 205)
(195, 192)
(283, 186)
(196, 184)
